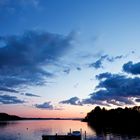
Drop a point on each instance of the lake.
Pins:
(34, 129)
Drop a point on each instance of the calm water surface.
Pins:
(33, 130)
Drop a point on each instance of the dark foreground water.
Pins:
(33, 130)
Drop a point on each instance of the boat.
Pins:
(75, 135)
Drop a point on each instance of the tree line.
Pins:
(121, 120)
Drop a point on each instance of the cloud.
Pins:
(47, 106)
(6, 99)
(99, 63)
(78, 68)
(103, 75)
(31, 95)
(72, 101)
(132, 68)
(112, 59)
(24, 58)
(137, 100)
(3, 89)
(67, 71)
(94, 102)
(116, 89)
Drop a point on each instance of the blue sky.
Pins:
(68, 55)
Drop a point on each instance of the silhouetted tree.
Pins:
(119, 119)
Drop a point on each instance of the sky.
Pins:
(63, 58)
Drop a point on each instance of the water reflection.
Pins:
(33, 130)
(3, 124)
(7, 123)
(115, 133)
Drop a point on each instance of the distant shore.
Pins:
(7, 117)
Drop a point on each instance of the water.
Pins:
(34, 129)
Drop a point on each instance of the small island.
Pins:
(119, 120)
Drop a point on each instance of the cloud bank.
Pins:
(24, 58)
(114, 89)
(117, 89)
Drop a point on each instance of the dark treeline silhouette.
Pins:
(119, 120)
(5, 117)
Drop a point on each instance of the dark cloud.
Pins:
(67, 71)
(31, 95)
(78, 68)
(72, 101)
(103, 75)
(23, 58)
(99, 63)
(3, 89)
(6, 99)
(115, 89)
(132, 68)
(137, 100)
(112, 59)
(47, 106)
